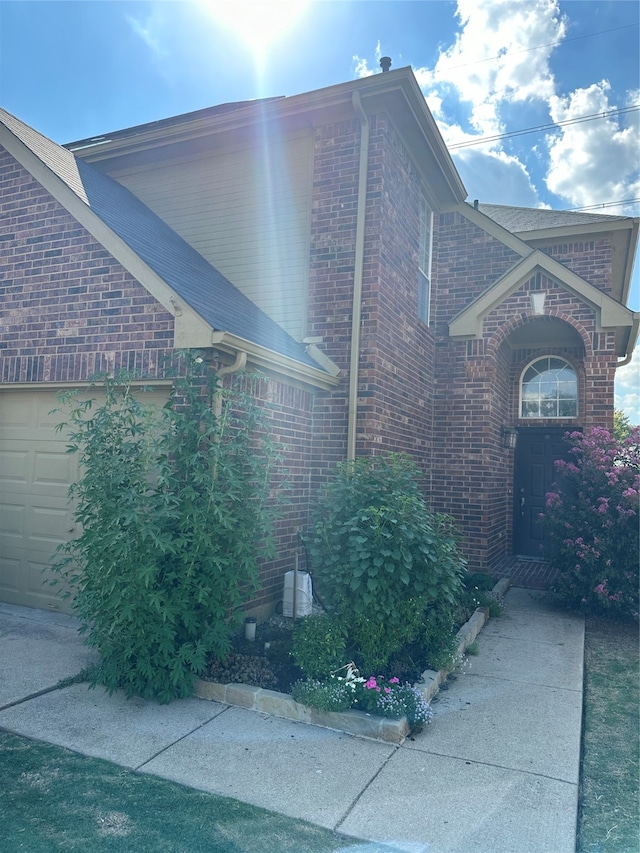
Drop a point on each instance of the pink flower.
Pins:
(371, 684)
(387, 690)
(394, 680)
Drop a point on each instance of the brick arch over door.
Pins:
(507, 331)
(519, 342)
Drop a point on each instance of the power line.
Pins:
(538, 128)
(621, 203)
(540, 46)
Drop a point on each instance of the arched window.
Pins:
(549, 389)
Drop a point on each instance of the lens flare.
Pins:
(259, 24)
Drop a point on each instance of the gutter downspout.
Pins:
(633, 336)
(239, 364)
(356, 310)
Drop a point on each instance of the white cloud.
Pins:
(489, 68)
(501, 59)
(490, 63)
(627, 389)
(149, 32)
(593, 161)
(361, 67)
(491, 169)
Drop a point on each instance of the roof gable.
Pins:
(541, 227)
(611, 313)
(198, 295)
(395, 93)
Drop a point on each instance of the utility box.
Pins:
(304, 597)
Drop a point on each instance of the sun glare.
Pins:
(257, 23)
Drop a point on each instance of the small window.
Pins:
(424, 260)
(549, 389)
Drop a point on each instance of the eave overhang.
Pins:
(395, 92)
(274, 362)
(624, 237)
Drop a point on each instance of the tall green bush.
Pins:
(380, 557)
(173, 505)
(592, 522)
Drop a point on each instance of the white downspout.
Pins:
(632, 337)
(357, 277)
(239, 364)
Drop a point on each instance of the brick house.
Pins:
(324, 239)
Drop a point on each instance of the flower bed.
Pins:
(353, 722)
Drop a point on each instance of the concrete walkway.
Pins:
(495, 772)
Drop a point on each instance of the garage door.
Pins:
(35, 474)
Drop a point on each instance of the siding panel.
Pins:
(248, 214)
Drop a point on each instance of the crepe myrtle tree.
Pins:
(592, 522)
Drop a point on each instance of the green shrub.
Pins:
(477, 592)
(437, 640)
(319, 644)
(174, 516)
(377, 641)
(380, 557)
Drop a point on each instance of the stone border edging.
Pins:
(352, 722)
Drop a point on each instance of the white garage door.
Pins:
(35, 474)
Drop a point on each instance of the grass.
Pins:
(609, 820)
(52, 799)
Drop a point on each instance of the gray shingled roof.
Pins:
(163, 123)
(202, 286)
(518, 220)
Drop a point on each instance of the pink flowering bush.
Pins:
(389, 698)
(592, 523)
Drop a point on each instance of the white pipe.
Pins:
(239, 364)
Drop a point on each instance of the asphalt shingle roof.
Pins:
(519, 220)
(216, 299)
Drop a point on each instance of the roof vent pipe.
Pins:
(385, 63)
(475, 204)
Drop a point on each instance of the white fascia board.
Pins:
(273, 361)
(468, 324)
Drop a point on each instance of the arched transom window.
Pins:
(549, 389)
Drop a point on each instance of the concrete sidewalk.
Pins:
(495, 772)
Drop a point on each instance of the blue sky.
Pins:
(487, 68)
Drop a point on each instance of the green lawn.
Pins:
(52, 799)
(609, 819)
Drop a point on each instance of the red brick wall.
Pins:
(289, 412)
(396, 378)
(591, 259)
(477, 381)
(396, 350)
(69, 310)
(331, 272)
(467, 261)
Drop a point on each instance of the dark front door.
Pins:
(534, 475)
